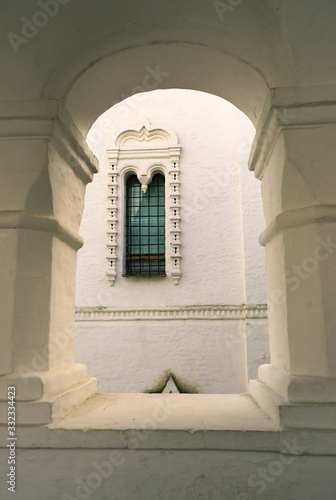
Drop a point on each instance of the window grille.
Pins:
(145, 227)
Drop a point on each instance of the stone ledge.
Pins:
(156, 422)
(45, 411)
(46, 385)
(298, 389)
(314, 416)
(191, 412)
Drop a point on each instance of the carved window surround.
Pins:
(145, 150)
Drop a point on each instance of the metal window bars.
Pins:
(145, 228)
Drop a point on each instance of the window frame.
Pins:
(143, 151)
(126, 273)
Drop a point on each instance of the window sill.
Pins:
(144, 275)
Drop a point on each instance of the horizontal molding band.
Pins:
(316, 214)
(48, 119)
(281, 117)
(216, 312)
(79, 159)
(45, 223)
(143, 153)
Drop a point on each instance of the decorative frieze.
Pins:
(216, 312)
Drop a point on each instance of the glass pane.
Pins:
(145, 227)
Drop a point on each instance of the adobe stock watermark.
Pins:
(31, 27)
(265, 476)
(127, 103)
(101, 471)
(284, 117)
(303, 271)
(223, 7)
(93, 481)
(214, 186)
(40, 359)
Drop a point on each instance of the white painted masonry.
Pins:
(63, 64)
(222, 262)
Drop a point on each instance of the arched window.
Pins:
(144, 230)
(145, 227)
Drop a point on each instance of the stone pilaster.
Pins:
(45, 165)
(294, 156)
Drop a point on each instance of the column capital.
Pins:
(48, 119)
(290, 108)
(290, 219)
(49, 224)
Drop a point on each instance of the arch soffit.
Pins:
(257, 52)
(90, 87)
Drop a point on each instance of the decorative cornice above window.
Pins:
(147, 136)
(144, 149)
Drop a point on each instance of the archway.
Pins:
(274, 60)
(211, 329)
(69, 107)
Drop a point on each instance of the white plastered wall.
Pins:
(209, 329)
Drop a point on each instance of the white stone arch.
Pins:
(58, 109)
(183, 65)
(46, 108)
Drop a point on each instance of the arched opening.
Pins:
(67, 165)
(210, 331)
(89, 77)
(101, 82)
(274, 60)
